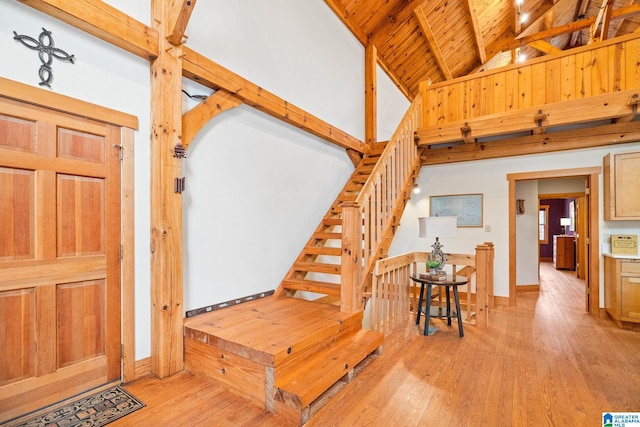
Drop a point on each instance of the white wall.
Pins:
(561, 185)
(490, 178)
(256, 188)
(527, 234)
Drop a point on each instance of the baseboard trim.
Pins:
(501, 301)
(143, 367)
(527, 288)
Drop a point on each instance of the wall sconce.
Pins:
(520, 207)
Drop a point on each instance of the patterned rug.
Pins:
(93, 411)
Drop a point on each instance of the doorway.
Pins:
(591, 238)
(60, 252)
(561, 218)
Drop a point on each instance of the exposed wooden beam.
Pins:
(167, 306)
(208, 73)
(403, 11)
(544, 46)
(606, 20)
(111, 25)
(179, 19)
(600, 107)
(370, 95)
(622, 13)
(517, 23)
(477, 31)
(423, 22)
(103, 21)
(367, 39)
(614, 25)
(541, 17)
(619, 133)
(581, 9)
(194, 119)
(342, 13)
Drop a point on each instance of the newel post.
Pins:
(351, 264)
(484, 282)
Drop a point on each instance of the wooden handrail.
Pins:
(384, 196)
(391, 285)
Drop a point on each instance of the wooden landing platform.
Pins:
(284, 353)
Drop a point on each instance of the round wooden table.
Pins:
(448, 282)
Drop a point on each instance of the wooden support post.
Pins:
(166, 206)
(484, 282)
(350, 289)
(370, 95)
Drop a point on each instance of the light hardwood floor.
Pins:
(543, 362)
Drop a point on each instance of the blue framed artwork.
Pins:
(467, 207)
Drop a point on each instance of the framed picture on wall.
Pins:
(467, 207)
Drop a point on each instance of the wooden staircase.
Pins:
(287, 355)
(292, 354)
(317, 269)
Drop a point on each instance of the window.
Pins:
(543, 226)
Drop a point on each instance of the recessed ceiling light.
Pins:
(524, 18)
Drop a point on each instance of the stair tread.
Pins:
(332, 221)
(323, 250)
(318, 267)
(317, 286)
(343, 197)
(324, 235)
(309, 380)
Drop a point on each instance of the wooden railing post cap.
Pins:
(485, 245)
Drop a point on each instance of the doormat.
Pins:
(93, 411)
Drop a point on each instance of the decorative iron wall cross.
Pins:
(46, 52)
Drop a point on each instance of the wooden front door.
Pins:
(59, 256)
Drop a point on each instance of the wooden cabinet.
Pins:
(564, 252)
(622, 291)
(621, 189)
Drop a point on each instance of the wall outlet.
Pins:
(487, 228)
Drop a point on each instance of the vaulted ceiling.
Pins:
(437, 40)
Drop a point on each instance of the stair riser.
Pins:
(291, 407)
(238, 373)
(300, 356)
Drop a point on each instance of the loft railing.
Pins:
(593, 82)
(368, 223)
(394, 295)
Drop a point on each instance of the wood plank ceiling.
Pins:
(437, 40)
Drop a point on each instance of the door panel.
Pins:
(16, 211)
(59, 256)
(80, 321)
(18, 336)
(80, 216)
